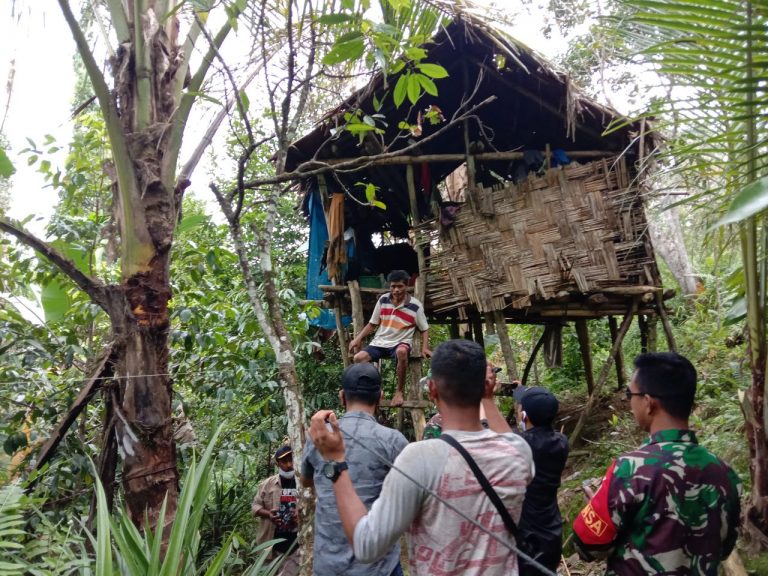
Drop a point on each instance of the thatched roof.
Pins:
(534, 106)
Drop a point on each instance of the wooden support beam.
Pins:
(507, 352)
(582, 331)
(413, 392)
(621, 378)
(477, 329)
(358, 318)
(342, 333)
(625, 324)
(453, 329)
(665, 323)
(532, 357)
(448, 158)
(643, 324)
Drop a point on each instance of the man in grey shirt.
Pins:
(361, 392)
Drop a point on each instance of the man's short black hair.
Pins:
(668, 377)
(398, 276)
(458, 369)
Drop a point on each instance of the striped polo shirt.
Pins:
(397, 323)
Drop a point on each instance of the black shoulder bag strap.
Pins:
(503, 512)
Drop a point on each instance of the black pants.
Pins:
(550, 552)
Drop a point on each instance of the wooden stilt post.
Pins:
(576, 434)
(642, 321)
(665, 323)
(582, 331)
(342, 332)
(477, 329)
(621, 379)
(358, 319)
(414, 364)
(506, 346)
(453, 329)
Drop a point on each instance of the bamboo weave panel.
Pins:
(578, 228)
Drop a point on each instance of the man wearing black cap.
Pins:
(360, 393)
(540, 522)
(275, 504)
(444, 536)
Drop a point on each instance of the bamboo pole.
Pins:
(358, 319)
(341, 331)
(447, 158)
(506, 345)
(414, 363)
(625, 324)
(582, 331)
(621, 379)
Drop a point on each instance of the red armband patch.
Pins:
(593, 525)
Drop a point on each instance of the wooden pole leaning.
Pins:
(575, 438)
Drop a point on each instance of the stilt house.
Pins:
(506, 195)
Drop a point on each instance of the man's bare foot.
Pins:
(397, 399)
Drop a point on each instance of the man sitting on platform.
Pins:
(395, 318)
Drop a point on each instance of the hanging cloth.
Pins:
(337, 251)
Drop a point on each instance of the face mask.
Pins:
(521, 424)
(287, 474)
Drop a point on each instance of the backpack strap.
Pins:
(486, 485)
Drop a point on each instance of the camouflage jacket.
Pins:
(669, 507)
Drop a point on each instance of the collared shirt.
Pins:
(332, 552)
(267, 498)
(397, 323)
(669, 507)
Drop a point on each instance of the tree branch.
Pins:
(94, 288)
(304, 171)
(187, 99)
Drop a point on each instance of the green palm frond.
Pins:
(711, 56)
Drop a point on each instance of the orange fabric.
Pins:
(337, 253)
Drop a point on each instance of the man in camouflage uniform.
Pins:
(671, 506)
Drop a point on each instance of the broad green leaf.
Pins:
(427, 84)
(191, 222)
(244, 99)
(737, 312)
(334, 19)
(400, 90)
(6, 166)
(379, 204)
(749, 201)
(55, 300)
(349, 46)
(414, 88)
(79, 256)
(432, 70)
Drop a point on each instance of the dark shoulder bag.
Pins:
(525, 546)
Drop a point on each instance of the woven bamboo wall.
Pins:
(578, 229)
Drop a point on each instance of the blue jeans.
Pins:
(398, 571)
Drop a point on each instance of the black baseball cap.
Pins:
(362, 377)
(540, 404)
(283, 451)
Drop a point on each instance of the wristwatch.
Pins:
(332, 470)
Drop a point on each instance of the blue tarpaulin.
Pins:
(318, 236)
